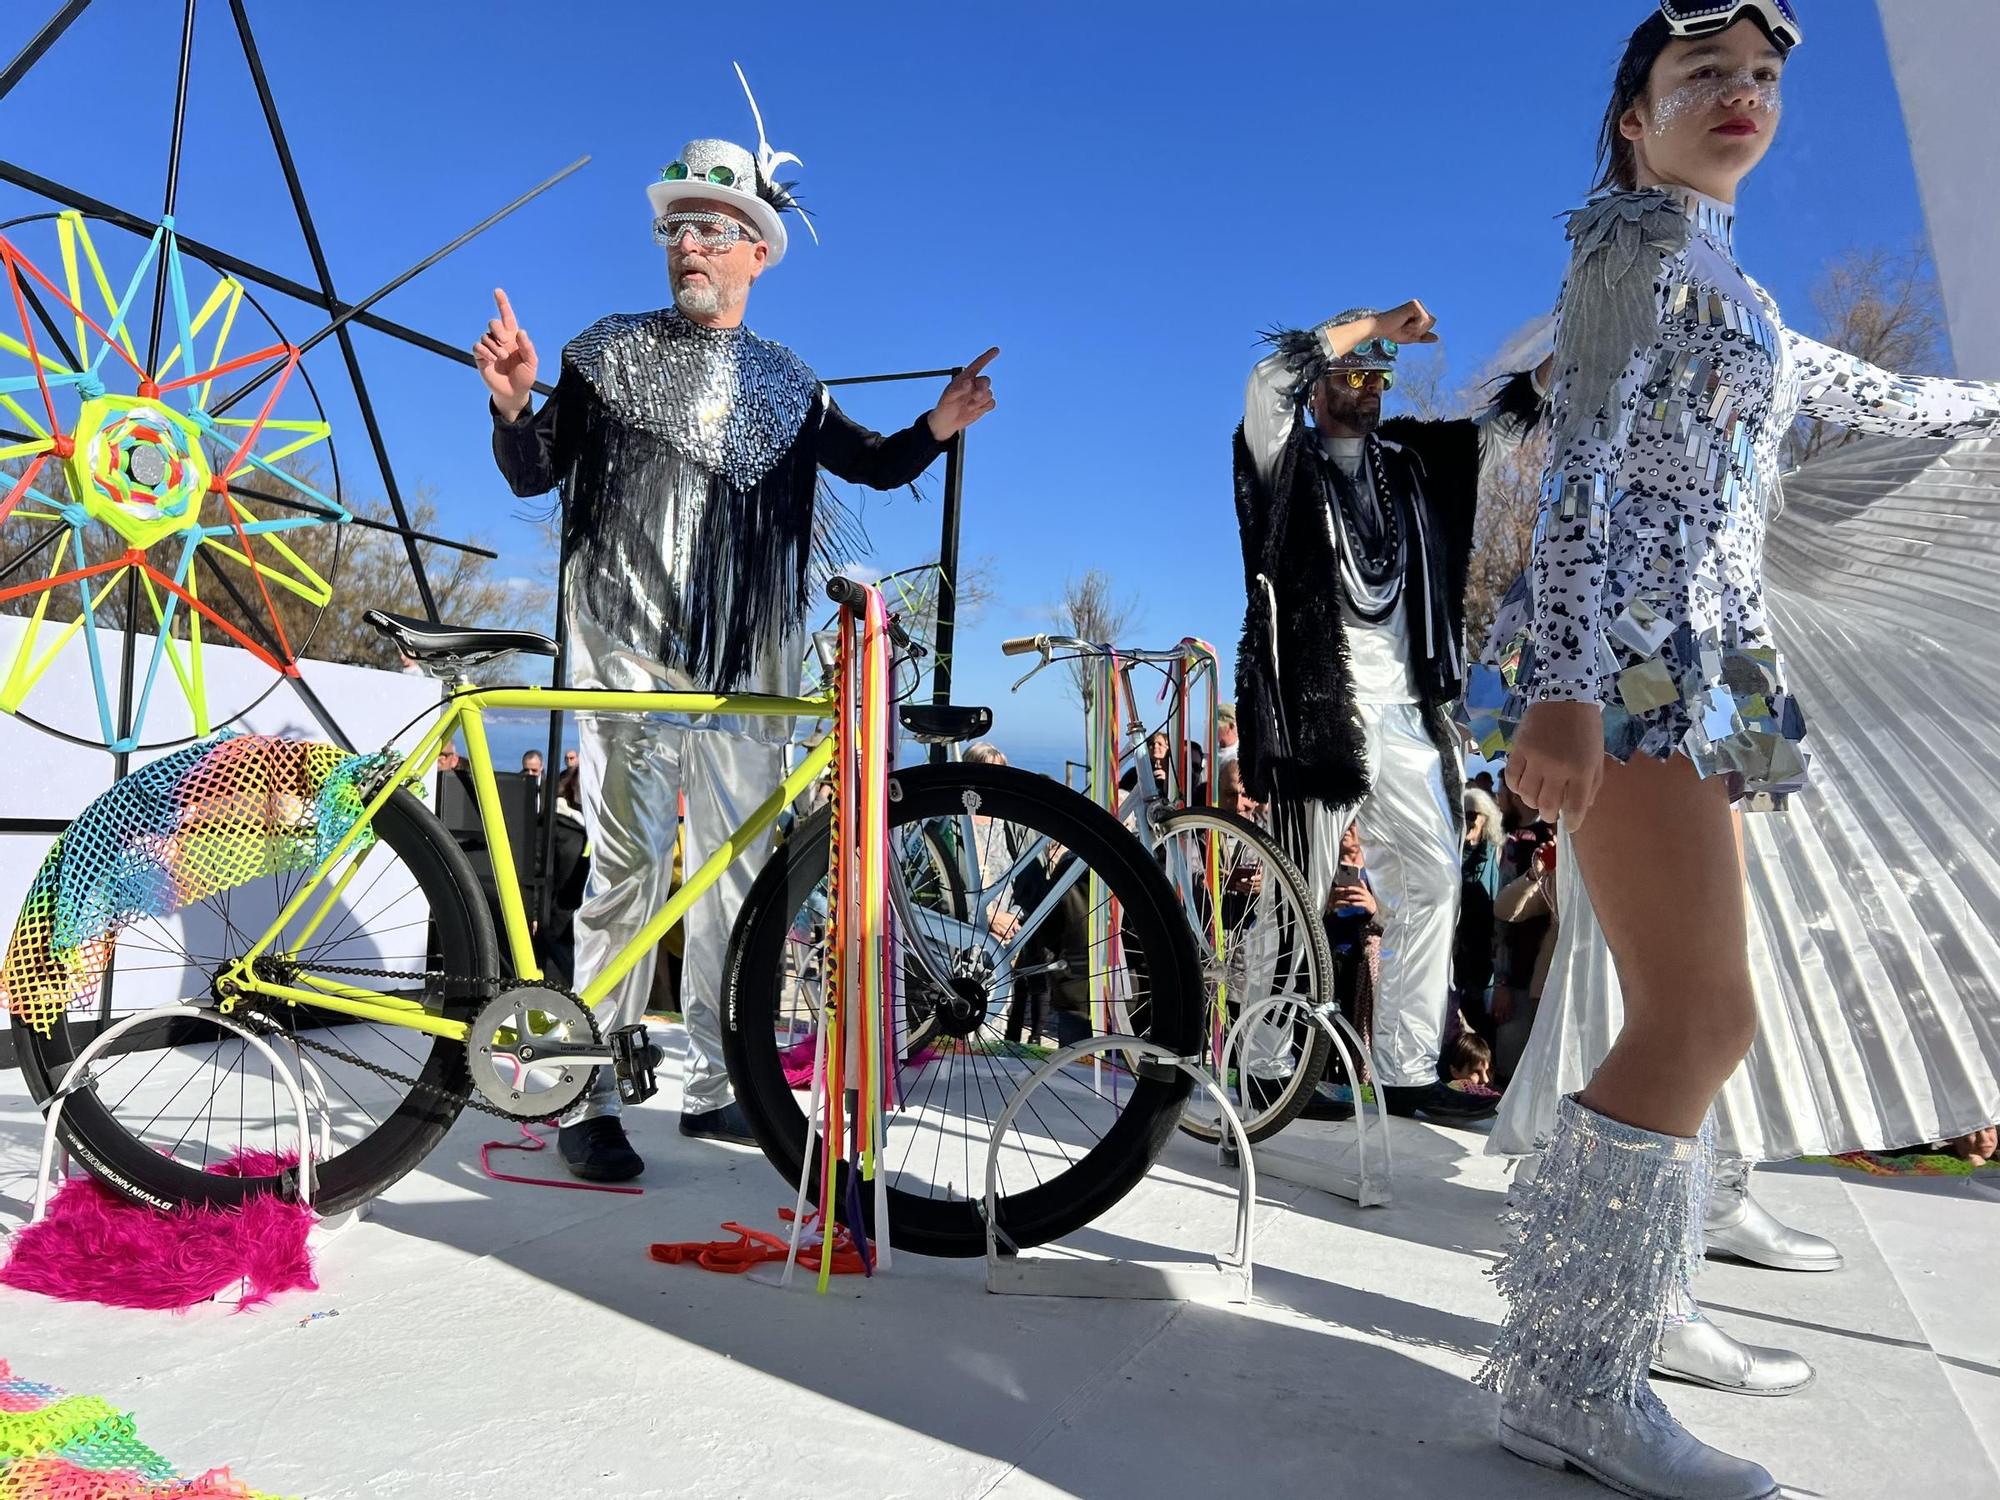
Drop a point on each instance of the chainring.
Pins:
(508, 1032)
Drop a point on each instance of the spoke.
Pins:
(37, 548)
(175, 1095)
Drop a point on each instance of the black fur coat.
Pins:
(1301, 734)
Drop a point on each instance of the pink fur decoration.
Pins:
(94, 1246)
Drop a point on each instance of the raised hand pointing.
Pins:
(968, 398)
(506, 359)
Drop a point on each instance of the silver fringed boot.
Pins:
(1602, 1236)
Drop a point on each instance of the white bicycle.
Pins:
(1256, 929)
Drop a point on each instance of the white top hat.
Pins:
(722, 172)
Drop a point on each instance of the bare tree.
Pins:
(367, 569)
(1880, 305)
(1423, 385)
(1503, 535)
(1091, 611)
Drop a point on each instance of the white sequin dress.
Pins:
(1676, 385)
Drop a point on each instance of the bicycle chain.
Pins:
(468, 1100)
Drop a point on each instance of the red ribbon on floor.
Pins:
(534, 1142)
(756, 1247)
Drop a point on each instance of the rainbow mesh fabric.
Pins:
(57, 1447)
(191, 824)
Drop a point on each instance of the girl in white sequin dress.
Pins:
(1640, 693)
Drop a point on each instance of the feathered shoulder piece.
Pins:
(1304, 353)
(1622, 242)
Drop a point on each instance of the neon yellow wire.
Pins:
(103, 284)
(21, 415)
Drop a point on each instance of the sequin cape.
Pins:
(1645, 594)
(688, 460)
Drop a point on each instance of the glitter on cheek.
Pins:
(1704, 94)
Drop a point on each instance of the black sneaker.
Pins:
(1326, 1104)
(598, 1151)
(1439, 1101)
(725, 1124)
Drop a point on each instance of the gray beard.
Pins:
(705, 301)
(699, 301)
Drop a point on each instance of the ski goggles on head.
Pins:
(1688, 18)
(678, 171)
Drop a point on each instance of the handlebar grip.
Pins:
(1022, 645)
(843, 590)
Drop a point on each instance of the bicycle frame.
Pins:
(466, 710)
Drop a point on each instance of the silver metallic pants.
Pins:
(1410, 839)
(634, 772)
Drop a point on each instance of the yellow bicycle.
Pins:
(309, 896)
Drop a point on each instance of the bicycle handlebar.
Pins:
(850, 595)
(1050, 644)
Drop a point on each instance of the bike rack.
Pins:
(78, 1076)
(1352, 1173)
(1226, 1279)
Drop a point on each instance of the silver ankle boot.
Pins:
(1695, 1350)
(1742, 1228)
(1602, 1237)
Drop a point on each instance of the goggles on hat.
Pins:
(1686, 18)
(677, 171)
(710, 231)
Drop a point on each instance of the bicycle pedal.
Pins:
(635, 1063)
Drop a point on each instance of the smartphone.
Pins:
(1348, 875)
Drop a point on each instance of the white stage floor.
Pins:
(496, 1342)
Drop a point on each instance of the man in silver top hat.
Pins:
(1356, 540)
(687, 451)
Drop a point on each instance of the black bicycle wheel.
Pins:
(177, 1099)
(1038, 864)
(1259, 938)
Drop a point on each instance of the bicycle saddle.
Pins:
(420, 640)
(944, 723)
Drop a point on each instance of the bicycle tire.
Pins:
(358, 1172)
(1090, 1186)
(1310, 936)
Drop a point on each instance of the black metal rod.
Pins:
(947, 610)
(340, 320)
(42, 40)
(173, 193)
(61, 528)
(33, 825)
(905, 375)
(27, 286)
(256, 622)
(363, 521)
(253, 622)
(323, 273)
(319, 710)
(236, 265)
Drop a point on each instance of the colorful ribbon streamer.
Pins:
(854, 1050)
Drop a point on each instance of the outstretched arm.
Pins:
(855, 453)
(1851, 393)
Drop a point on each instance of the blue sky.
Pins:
(1119, 195)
